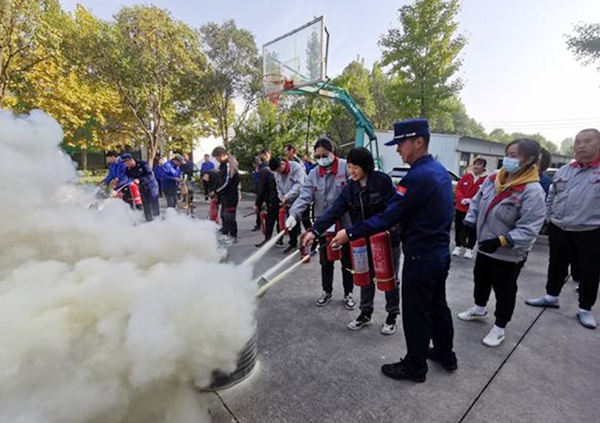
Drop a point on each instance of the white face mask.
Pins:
(325, 161)
(510, 164)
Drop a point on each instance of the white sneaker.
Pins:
(388, 329)
(457, 251)
(468, 253)
(470, 314)
(494, 338)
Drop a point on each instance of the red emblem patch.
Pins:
(401, 190)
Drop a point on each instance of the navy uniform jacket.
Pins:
(361, 203)
(424, 207)
(143, 172)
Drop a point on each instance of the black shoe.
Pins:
(279, 244)
(289, 249)
(402, 371)
(448, 362)
(260, 244)
(256, 228)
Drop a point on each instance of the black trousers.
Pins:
(170, 193)
(327, 268)
(306, 222)
(228, 221)
(150, 205)
(501, 276)
(581, 250)
(272, 216)
(426, 316)
(459, 225)
(206, 186)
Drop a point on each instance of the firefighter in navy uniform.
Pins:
(424, 207)
(141, 173)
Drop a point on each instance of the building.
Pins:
(455, 152)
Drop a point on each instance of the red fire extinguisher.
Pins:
(282, 216)
(383, 262)
(135, 195)
(360, 262)
(333, 254)
(263, 221)
(213, 211)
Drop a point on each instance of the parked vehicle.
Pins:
(398, 173)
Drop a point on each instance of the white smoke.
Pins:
(103, 320)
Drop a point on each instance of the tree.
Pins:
(384, 114)
(235, 71)
(28, 37)
(567, 147)
(423, 55)
(585, 43)
(453, 119)
(144, 54)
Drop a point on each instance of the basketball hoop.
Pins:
(274, 84)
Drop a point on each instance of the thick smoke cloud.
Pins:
(104, 319)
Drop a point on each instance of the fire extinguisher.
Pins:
(135, 195)
(282, 216)
(360, 262)
(383, 262)
(263, 221)
(213, 211)
(333, 254)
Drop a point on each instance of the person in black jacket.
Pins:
(227, 191)
(367, 193)
(266, 192)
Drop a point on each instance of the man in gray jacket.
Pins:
(573, 212)
(289, 177)
(322, 186)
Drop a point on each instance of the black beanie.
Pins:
(361, 157)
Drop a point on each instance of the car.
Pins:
(398, 173)
(551, 171)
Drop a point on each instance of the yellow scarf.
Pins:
(527, 176)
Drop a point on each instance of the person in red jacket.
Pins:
(465, 190)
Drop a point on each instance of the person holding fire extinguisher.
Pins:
(266, 193)
(424, 207)
(323, 186)
(289, 177)
(366, 194)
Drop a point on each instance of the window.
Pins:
(464, 162)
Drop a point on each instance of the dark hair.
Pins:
(265, 151)
(363, 158)
(112, 153)
(219, 151)
(426, 138)
(480, 160)
(528, 148)
(275, 163)
(325, 143)
(593, 131)
(545, 160)
(290, 147)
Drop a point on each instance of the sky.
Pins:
(517, 70)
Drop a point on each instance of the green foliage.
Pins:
(235, 71)
(500, 135)
(453, 119)
(423, 56)
(585, 43)
(384, 114)
(567, 147)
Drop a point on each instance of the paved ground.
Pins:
(313, 369)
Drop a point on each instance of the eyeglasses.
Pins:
(318, 156)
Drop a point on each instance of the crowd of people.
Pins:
(340, 202)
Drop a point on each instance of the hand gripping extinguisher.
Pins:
(135, 195)
(213, 211)
(282, 216)
(383, 262)
(333, 254)
(262, 216)
(360, 262)
(304, 249)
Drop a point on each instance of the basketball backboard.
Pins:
(300, 55)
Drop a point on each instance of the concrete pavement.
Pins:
(312, 369)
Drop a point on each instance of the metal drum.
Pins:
(245, 365)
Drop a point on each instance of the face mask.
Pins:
(510, 164)
(325, 161)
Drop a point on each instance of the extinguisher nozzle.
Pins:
(263, 250)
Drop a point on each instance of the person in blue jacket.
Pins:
(116, 178)
(424, 207)
(171, 177)
(141, 173)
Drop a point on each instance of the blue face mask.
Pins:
(511, 165)
(325, 161)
